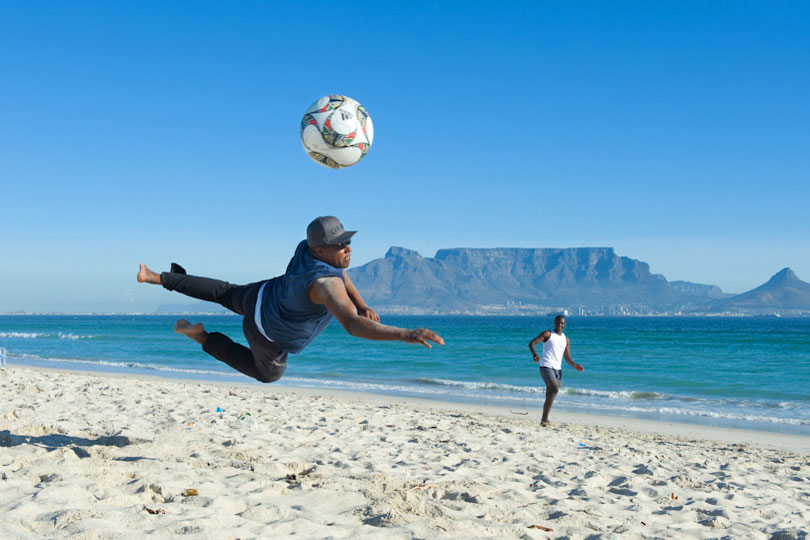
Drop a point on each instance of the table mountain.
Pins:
(517, 280)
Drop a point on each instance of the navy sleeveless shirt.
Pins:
(288, 316)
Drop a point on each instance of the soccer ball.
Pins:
(336, 131)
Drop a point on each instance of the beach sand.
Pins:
(86, 455)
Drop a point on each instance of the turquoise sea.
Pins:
(734, 372)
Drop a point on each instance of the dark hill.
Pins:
(783, 291)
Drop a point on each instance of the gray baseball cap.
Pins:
(327, 230)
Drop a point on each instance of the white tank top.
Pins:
(553, 350)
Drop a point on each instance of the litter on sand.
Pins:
(156, 511)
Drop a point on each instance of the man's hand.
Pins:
(368, 313)
(423, 335)
(578, 367)
(536, 357)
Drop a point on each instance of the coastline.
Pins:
(701, 426)
(529, 314)
(799, 444)
(89, 454)
(667, 371)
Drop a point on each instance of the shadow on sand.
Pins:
(77, 444)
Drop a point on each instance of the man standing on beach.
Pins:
(284, 314)
(556, 346)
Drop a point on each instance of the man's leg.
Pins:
(553, 382)
(232, 297)
(551, 393)
(219, 346)
(265, 362)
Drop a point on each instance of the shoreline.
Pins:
(772, 313)
(718, 427)
(99, 455)
(796, 443)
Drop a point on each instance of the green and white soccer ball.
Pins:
(336, 131)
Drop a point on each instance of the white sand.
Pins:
(85, 455)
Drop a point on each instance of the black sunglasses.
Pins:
(343, 245)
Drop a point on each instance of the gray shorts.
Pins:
(552, 377)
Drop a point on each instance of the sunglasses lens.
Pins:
(339, 246)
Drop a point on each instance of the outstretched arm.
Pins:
(567, 356)
(354, 295)
(331, 292)
(542, 337)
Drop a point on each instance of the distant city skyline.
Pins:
(676, 133)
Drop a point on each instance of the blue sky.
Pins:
(676, 132)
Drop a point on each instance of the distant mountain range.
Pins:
(578, 280)
(784, 291)
(196, 308)
(586, 281)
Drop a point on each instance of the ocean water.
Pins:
(733, 372)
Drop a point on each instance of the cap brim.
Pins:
(342, 238)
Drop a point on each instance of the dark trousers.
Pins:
(264, 360)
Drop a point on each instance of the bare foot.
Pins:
(194, 331)
(545, 423)
(147, 276)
